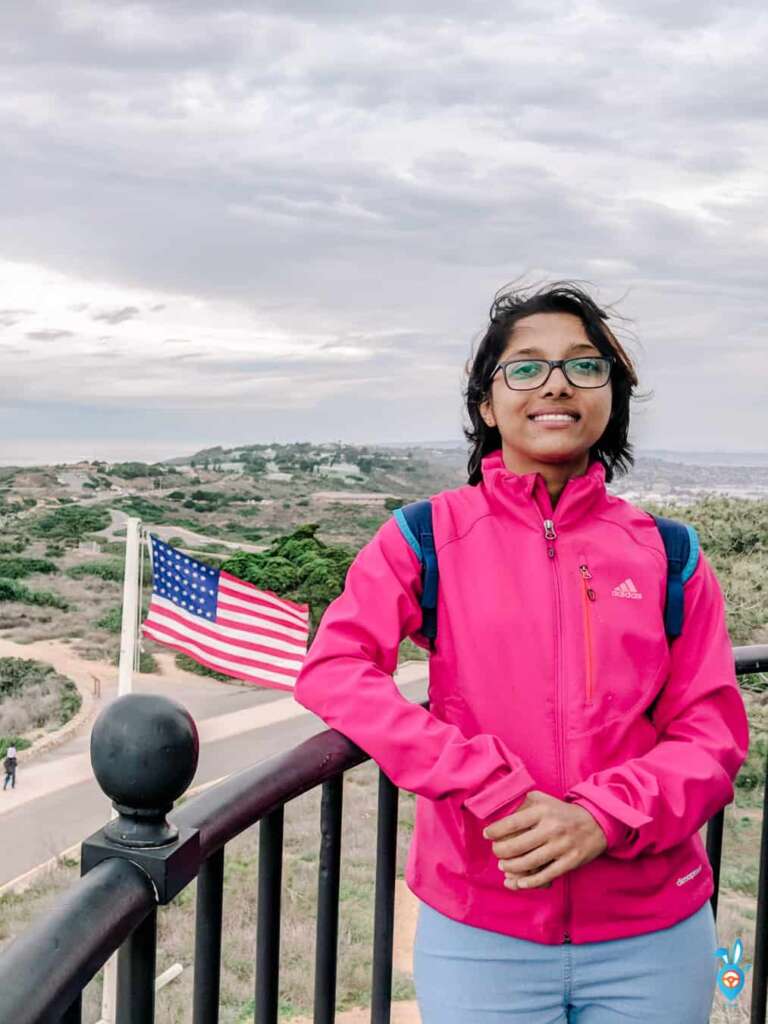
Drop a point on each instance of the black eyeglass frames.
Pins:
(580, 371)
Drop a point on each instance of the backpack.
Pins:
(681, 544)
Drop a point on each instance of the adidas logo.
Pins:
(627, 589)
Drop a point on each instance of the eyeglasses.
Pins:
(581, 371)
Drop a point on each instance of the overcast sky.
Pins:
(236, 223)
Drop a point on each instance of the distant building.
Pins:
(349, 497)
(232, 467)
(338, 469)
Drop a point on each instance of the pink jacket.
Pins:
(535, 684)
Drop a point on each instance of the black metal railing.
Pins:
(146, 856)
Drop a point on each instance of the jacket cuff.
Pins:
(615, 813)
(498, 794)
(615, 831)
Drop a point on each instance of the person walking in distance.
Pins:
(10, 767)
(585, 720)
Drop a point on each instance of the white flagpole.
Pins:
(128, 630)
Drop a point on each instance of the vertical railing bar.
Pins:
(715, 852)
(136, 974)
(74, 1015)
(384, 912)
(327, 932)
(210, 894)
(268, 917)
(760, 960)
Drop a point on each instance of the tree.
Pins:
(299, 567)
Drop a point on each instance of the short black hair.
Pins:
(613, 449)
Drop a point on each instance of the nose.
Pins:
(557, 382)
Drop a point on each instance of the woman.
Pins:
(570, 754)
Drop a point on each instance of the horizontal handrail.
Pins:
(753, 658)
(44, 970)
(225, 810)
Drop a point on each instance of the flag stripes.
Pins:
(224, 622)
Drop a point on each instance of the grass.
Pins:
(300, 871)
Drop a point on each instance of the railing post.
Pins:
(760, 965)
(327, 929)
(144, 751)
(268, 917)
(210, 892)
(136, 974)
(714, 854)
(384, 910)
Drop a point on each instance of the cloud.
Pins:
(307, 194)
(118, 316)
(48, 334)
(10, 317)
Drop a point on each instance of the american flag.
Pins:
(223, 622)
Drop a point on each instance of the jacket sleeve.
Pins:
(346, 679)
(651, 803)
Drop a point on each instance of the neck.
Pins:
(555, 474)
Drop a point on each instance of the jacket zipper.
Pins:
(588, 595)
(551, 535)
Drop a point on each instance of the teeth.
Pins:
(554, 416)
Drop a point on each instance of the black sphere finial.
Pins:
(144, 751)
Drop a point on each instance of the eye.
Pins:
(587, 365)
(524, 369)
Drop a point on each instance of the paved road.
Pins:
(57, 802)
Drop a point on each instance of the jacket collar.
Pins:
(527, 496)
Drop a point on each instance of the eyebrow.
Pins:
(537, 351)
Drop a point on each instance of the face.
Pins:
(529, 445)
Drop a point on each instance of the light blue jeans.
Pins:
(468, 975)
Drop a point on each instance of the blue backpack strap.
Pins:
(415, 522)
(681, 543)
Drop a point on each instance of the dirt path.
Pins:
(164, 532)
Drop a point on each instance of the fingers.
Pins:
(517, 883)
(540, 876)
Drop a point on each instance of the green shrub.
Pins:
(111, 620)
(16, 568)
(752, 772)
(10, 590)
(112, 570)
(112, 547)
(187, 664)
(71, 523)
(147, 662)
(390, 504)
(135, 505)
(134, 470)
(12, 545)
(12, 741)
(71, 701)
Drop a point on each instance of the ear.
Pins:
(486, 411)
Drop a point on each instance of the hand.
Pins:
(544, 838)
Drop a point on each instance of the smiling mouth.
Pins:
(555, 418)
